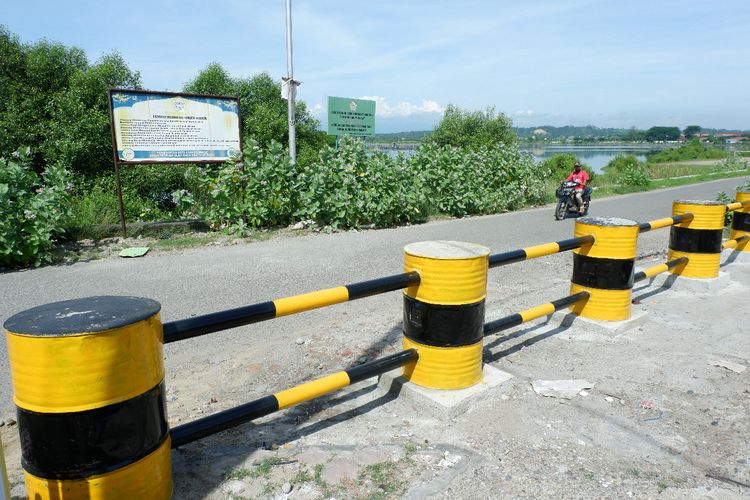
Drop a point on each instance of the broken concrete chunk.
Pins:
(565, 389)
(735, 367)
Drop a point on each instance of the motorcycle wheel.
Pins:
(561, 210)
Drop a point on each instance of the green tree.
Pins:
(31, 76)
(472, 129)
(655, 134)
(691, 131)
(78, 132)
(634, 135)
(262, 110)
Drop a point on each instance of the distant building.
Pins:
(539, 132)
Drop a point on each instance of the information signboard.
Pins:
(164, 127)
(354, 117)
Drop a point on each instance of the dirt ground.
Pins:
(659, 421)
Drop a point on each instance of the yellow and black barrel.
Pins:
(88, 383)
(444, 314)
(698, 239)
(741, 221)
(605, 269)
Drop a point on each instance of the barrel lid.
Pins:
(700, 202)
(81, 316)
(448, 250)
(606, 221)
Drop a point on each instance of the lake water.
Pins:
(595, 156)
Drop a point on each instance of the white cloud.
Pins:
(317, 109)
(525, 112)
(385, 110)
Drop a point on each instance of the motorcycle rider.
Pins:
(581, 178)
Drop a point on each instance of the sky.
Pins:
(574, 62)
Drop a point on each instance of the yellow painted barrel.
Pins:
(698, 239)
(444, 314)
(605, 269)
(88, 383)
(741, 222)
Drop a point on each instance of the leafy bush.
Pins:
(33, 210)
(95, 202)
(693, 150)
(733, 162)
(348, 188)
(628, 171)
(464, 181)
(261, 190)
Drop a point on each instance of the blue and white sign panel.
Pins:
(153, 127)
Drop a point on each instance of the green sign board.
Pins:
(351, 116)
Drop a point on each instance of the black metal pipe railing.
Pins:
(501, 259)
(233, 417)
(533, 313)
(254, 313)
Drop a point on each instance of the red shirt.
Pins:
(581, 177)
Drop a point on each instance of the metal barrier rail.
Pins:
(218, 422)
(533, 313)
(661, 268)
(513, 256)
(254, 313)
(665, 222)
(737, 241)
(731, 207)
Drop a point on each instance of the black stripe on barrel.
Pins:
(741, 221)
(443, 325)
(687, 240)
(601, 273)
(88, 443)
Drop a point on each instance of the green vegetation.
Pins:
(626, 170)
(472, 129)
(53, 98)
(693, 150)
(33, 210)
(350, 187)
(659, 134)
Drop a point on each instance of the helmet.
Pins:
(577, 164)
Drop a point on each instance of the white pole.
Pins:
(292, 83)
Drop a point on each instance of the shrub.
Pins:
(463, 181)
(349, 188)
(733, 162)
(95, 202)
(33, 210)
(693, 150)
(259, 191)
(628, 171)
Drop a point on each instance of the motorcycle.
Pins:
(567, 204)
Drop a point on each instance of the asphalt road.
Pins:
(208, 279)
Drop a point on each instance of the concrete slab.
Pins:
(590, 329)
(730, 257)
(443, 403)
(692, 285)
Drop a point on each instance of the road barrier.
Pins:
(740, 220)
(88, 374)
(88, 383)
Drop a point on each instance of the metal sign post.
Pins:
(118, 181)
(292, 84)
